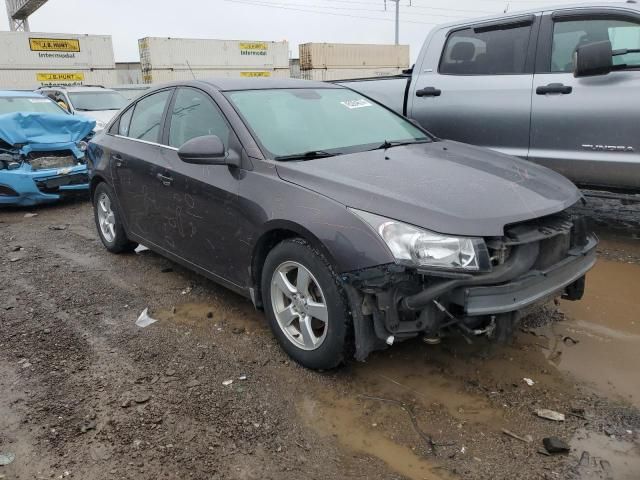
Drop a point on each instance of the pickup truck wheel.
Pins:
(108, 221)
(305, 305)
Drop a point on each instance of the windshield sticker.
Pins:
(39, 100)
(361, 103)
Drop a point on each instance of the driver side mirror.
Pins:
(206, 150)
(593, 59)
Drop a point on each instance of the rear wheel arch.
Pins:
(279, 232)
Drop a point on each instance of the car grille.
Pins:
(47, 160)
(556, 235)
(52, 185)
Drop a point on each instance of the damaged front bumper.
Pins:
(546, 258)
(26, 187)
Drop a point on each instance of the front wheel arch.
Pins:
(277, 233)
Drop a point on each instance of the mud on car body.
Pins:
(351, 227)
(42, 150)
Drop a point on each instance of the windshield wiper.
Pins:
(310, 155)
(396, 143)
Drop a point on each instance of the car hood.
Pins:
(44, 131)
(444, 186)
(103, 116)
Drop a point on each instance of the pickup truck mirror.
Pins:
(206, 150)
(593, 59)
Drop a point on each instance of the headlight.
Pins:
(99, 125)
(82, 146)
(419, 247)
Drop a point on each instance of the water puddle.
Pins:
(242, 318)
(606, 325)
(346, 420)
(605, 457)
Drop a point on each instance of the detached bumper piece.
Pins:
(524, 291)
(533, 262)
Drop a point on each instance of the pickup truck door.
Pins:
(587, 128)
(473, 84)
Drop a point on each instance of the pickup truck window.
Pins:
(496, 51)
(569, 35)
(328, 120)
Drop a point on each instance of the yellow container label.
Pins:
(254, 46)
(60, 77)
(54, 45)
(255, 74)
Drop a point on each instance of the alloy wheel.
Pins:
(106, 218)
(299, 305)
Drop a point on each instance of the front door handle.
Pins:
(118, 160)
(166, 180)
(429, 92)
(554, 88)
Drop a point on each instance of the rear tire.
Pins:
(108, 221)
(306, 306)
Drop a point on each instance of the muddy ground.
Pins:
(87, 394)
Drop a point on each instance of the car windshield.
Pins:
(320, 121)
(94, 101)
(28, 104)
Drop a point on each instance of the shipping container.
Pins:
(60, 51)
(182, 53)
(128, 72)
(30, 79)
(331, 74)
(174, 74)
(294, 68)
(347, 55)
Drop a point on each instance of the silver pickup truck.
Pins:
(558, 86)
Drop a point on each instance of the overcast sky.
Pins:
(298, 21)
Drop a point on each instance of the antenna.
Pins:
(191, 69)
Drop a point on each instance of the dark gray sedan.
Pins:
(349, 225)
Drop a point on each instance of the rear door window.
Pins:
(569, 35)
(146, 121)
(194, 114)
(487, 51)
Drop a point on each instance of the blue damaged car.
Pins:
(41, 150)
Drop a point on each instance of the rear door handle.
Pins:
(166, 180)
(118, 160)
(554, 88)
(429, 92)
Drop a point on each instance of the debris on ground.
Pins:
(550, 415)
(227, 382)
(7, 458)
(144, 320)
(30, 215)
(88, 426)
(555, 445)
(142, 398)
(529, 382)
(242, 377)
(238, 330)
(526, 438)
(57, 227)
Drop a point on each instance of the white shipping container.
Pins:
(351, 55)
(128, 72)
(331, 74)
(23, 79)
(55, 50)
(170, 75)
(183, 53)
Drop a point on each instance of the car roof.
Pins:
(631, 5)
(19, 93)
(227, 84)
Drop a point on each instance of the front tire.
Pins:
(305, 305)
(109, 221)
